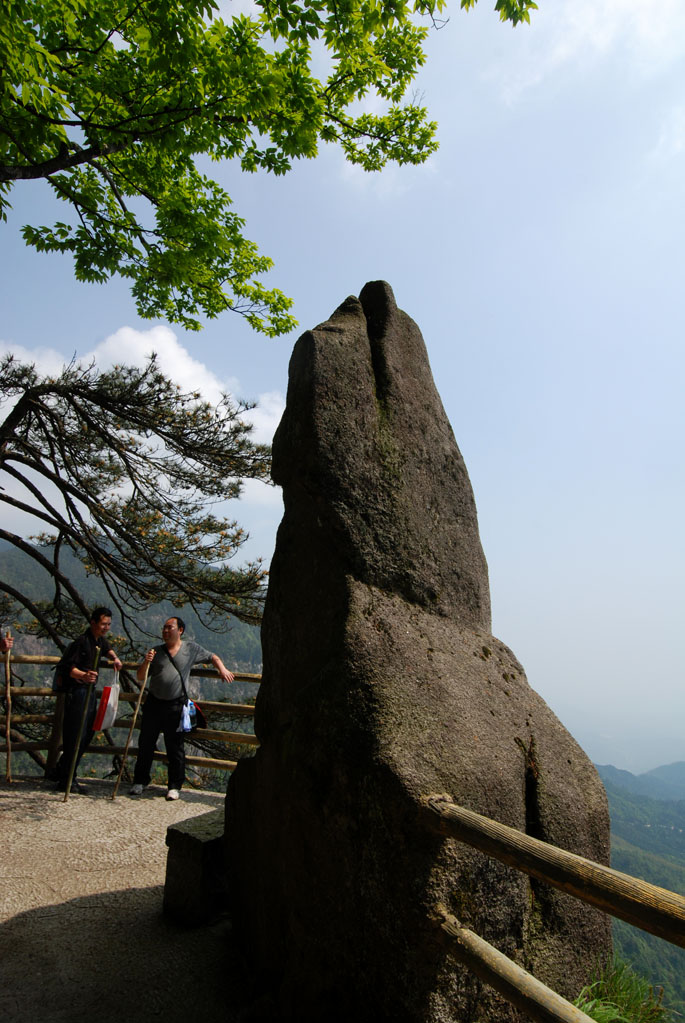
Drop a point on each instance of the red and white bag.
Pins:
(108, 706)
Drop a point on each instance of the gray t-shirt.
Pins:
(165, 683)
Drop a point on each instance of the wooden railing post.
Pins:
(8, 712)
(55, 740)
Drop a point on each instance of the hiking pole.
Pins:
(130, 731)
(8, 711)
(84, 712)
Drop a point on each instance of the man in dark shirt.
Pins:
(80, 664)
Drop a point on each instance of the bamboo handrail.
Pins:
(236, 709)
(644, 905)
(216, 735)
(247, 738)
(208, 706)
(215, 763)
(50, 659)
(21, 747)
(518, 986)
(27, 719)
(33, 691)
(8, 702)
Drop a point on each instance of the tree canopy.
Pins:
(121, 105)
(122, 467)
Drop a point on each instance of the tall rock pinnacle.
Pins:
(383, 684)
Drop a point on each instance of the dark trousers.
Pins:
(73, 709)
(161, 716)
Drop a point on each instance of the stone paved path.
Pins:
(82, 936)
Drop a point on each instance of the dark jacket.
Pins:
(81, 654)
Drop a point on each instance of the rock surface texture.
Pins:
(381, 684)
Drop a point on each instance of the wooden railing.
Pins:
(52, 743)
(643, 905)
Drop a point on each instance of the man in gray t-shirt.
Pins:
(168, 664)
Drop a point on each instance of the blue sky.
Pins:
(541, 253)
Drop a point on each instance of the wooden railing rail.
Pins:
(49, 659)
(18, 745)
(237, 709)
(246, 738)
(214, 763)
(644, 905)
(519, 987)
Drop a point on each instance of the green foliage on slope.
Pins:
(662, 963)
(653, 825)
(648, 842)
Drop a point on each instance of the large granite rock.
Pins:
(381, 684)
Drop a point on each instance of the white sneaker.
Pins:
(173, 794)
(137, 790)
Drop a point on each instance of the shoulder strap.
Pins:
(183, 685)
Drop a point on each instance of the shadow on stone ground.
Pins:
(82, 933)
(114, 957)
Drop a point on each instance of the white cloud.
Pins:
(48, 361)
(577, 33)
(259, 509)
(133, 347)
(266, 416)
(256, 494)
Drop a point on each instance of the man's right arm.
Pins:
(79, 652)
(87, 677)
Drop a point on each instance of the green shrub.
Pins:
(619, 995)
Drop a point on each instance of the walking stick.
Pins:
(84, 712)
(130, 731)
(8, 712)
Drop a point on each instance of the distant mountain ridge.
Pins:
(238, 645)
(666, 783)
